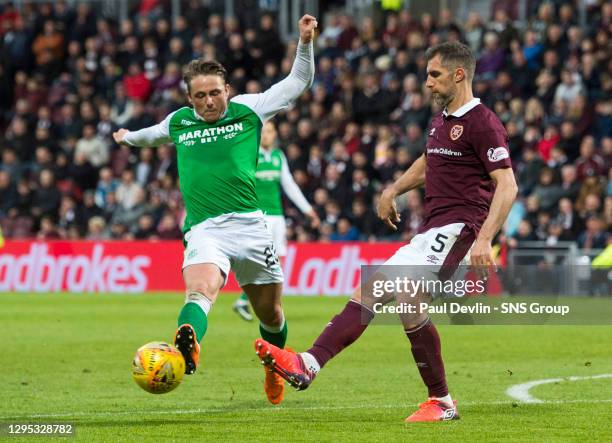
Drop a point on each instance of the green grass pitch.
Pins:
(66, 358)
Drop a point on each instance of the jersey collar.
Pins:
(463, 109)
(199, 117)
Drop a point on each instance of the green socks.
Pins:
(192, 314)
(276, 336)
(243, 297)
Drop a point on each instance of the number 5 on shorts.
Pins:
(440, 240)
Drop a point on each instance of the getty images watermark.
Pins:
(517, 295)
(412, 288)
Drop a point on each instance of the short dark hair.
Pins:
(453, 55)
(200, 66)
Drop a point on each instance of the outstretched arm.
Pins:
(282, 95)
(152, 136)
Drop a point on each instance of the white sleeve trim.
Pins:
(283, 94)
(291, 188)
(152, 136)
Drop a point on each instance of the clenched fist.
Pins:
(307, 26)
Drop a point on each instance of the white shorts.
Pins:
(278, 230)
(239, 242)
(447, 246)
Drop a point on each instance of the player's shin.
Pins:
(340, 333)
(426, 350)
(195, 313)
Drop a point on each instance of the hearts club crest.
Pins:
(456, 132)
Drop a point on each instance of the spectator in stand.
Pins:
(529, 171)
(89, 209)
(168, 228)
(48, 46)
(106, 184)
(593, 237)
(547, 192)
(344, 231)
(146, 228)
(492, 58)
(570, 187)
(81, 172)
(570, 87)
(8, 193)
(20, 140)
(122, 108)
(140, 116)
(592, 206)
(11, 165)
(548, 141)
(145, 166)
(589, 163)
(363, 219)
(137, 85)
(48, 230)
(129, 193)
(46, 199)
(128, 215)
(96, 229)
(92, 147)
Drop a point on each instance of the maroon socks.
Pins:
(427, 354)
(341, 332)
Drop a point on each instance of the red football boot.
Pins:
(284, 362)
(434, 410)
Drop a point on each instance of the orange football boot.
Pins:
(274, 386)
(186, 341)
(283, 362)
(434, 410)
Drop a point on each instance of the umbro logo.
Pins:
(187, 122)
(449, 414)
(432, 131)
(433, 259)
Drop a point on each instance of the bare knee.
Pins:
(204, 278)
(273, 316)
(413, 321)
(210, 289)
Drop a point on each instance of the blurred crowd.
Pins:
(69, 77)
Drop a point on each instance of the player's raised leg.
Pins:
(300, 369)
(203, 282)
(266, 302)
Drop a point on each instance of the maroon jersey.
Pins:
(462, 149)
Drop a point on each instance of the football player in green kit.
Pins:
(217, 143)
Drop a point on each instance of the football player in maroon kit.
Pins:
(469, 189)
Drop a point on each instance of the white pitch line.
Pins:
(521, 393)
(270, 409)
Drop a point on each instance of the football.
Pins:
(158, 367)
